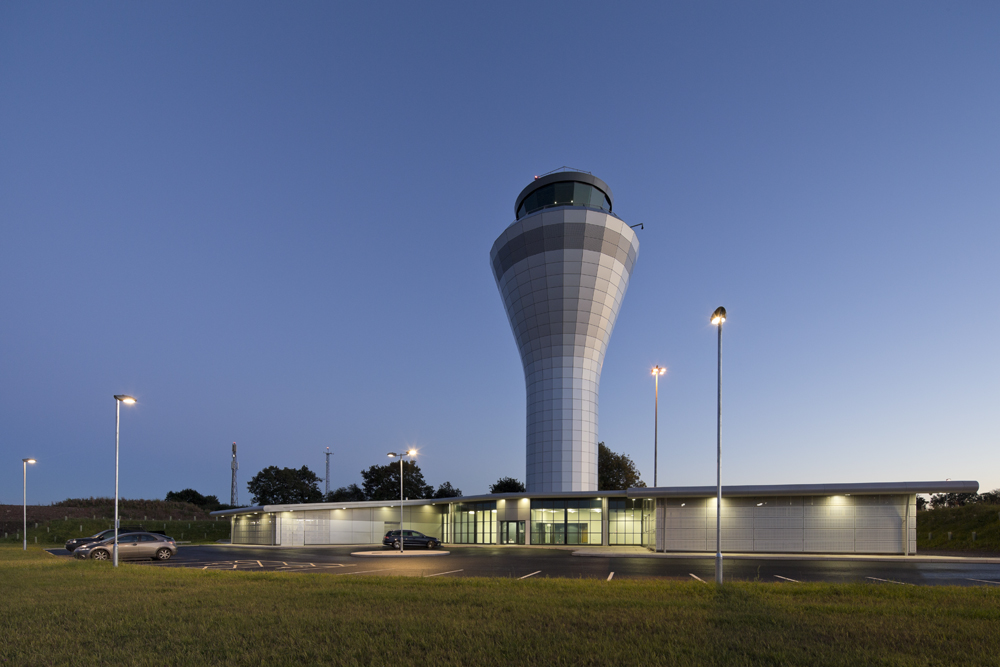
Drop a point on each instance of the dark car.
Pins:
(71, 545)
(130, 545)
(411, 538)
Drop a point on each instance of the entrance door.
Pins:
(511, 532)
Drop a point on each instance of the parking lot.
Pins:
(526, 563)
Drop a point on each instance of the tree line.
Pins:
(295, 486)
(942, 500)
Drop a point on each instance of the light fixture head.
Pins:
(657, 370)
(719, 316)
(392, 454)
(412, 452)
(27, 460)
(125, 399)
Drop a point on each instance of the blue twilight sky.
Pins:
(271, 222)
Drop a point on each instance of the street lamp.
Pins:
(411, 453)
(657, 372)
(24, 463)
(119, 399)
(718, 317)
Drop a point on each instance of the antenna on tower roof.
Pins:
(233, 494)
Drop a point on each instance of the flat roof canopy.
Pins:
(861, 488)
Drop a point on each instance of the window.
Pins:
(474, 523)
(629, 520)
(567, 193)
(566, 521)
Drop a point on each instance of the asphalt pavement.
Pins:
(527, 563)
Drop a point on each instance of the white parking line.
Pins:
(787, 579)
(986, 581)
(530, 575)
(440, 573)
(260, 564)
(697, 577)
(890, 581)
(611, 575)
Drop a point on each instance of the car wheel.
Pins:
(100, 554)
(395, 545)
(431, 544)
(163, 554)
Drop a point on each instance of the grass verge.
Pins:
(934, 526)
(61, 611)
(49, 534)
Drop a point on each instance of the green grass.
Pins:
(60, 611)
(961, 522)
(51, 534)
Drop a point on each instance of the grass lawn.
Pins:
(62, 611)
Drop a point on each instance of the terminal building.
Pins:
(562, 269)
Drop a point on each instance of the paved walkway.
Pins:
(643, 552)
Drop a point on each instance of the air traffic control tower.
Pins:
(562, 268)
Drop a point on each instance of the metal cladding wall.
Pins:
(810, 524)
(562, 273)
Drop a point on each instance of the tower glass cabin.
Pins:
(562, 268)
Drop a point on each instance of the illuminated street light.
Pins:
(657, 372)
(411, 453)
(119, 399)
(718, 317)
(24, 464)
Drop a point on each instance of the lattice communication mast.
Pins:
(233, 494)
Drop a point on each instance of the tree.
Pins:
(351, 493)
(285, 486)
(381, 482)
(507, 485)
(193, 497)
(446, 490)
(616, 472)
(921, 503)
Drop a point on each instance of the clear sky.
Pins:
(270, 222)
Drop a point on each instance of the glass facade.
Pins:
(474, 523)
(566, 521)
(253, 529)
(564, 194)
(630, 521)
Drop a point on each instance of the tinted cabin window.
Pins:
(564, 194)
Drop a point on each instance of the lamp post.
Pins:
(411, 453)
(718, 317)
(24, 463)
(119, 399)
(657, 372)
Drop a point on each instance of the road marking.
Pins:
(440, 573)
(340, 574)
(260, 564)
(986, 581)
(530, 575)
(697, 577)
(611, 575)
(890, 581)
(787, 579)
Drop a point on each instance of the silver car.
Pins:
(130, 546)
